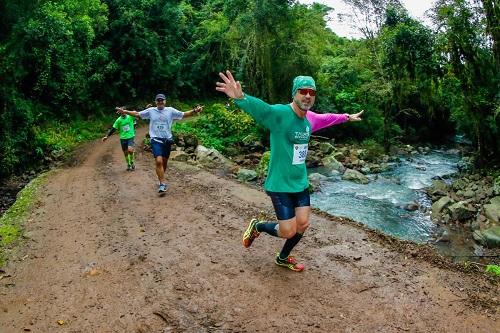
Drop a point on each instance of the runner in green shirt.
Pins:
(125, 126)
(290, 129)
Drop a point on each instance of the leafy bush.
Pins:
(219, 127)
(263, 165)
(16, 137)
(373, 150)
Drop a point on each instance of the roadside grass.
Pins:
(61, 137)
(12, 221)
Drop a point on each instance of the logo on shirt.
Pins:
(302, 135)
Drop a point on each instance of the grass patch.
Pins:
(12, 222)
(64, 137)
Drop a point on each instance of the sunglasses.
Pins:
(306, 91)
(160, 100)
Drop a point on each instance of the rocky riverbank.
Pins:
(472, 202)
(467, 201)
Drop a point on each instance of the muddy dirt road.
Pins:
(106, 254)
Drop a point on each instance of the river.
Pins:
(381, 203)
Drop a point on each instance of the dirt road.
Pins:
(106, 254)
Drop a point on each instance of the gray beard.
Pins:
(299, 105)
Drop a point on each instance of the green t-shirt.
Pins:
(125, 126)
(290, 136)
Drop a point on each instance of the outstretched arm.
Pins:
(230, 86)
(121, 110)
(197, 109)
(322, 120)
(355, 116)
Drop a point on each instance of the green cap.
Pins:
(302, 82)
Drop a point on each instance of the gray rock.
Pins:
(339, 155)
(478, 250)
(180, 156)
(439, 205)
(246, 175)
(496, 186)
(411, 206)
(492, 210)
(445, 237)
(331, 163)
(326, 148)
(469, 194)
(460, 211)
(459, 184)
(211, 158)
(315, 180)
(365, 170)
(355, 176)
(488, 237)
(438, 188)
(475, 225)
(316, 177)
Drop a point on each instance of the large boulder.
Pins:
(315, 180)
(438, 188)
(439, 205)
(326, 148)
(488, 237)
(246, 175)
(355, 176)
(211, 158)
(331, 163)
(492, 210)
(179, 155)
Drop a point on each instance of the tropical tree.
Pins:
(468, 41)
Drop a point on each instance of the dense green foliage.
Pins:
(65, 60)
(220, 127)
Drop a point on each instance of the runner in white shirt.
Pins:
(160, 130)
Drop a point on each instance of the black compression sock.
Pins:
(268, 227)
(289, 245)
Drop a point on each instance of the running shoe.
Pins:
(250, 233)
(162, 188)
(129, 168)
(132, 167)
(289, 263)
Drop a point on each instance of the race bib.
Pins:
(126, 128)
(299, 153)
(161, 127)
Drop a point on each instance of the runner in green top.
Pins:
(287, 182)
(125, 126)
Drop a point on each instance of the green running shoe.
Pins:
(289, 263)
(250, 233)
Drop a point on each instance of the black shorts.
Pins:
(126, 143)
(285, 203)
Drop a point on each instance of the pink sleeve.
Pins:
(321, 120)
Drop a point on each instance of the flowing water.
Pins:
(381, 203)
